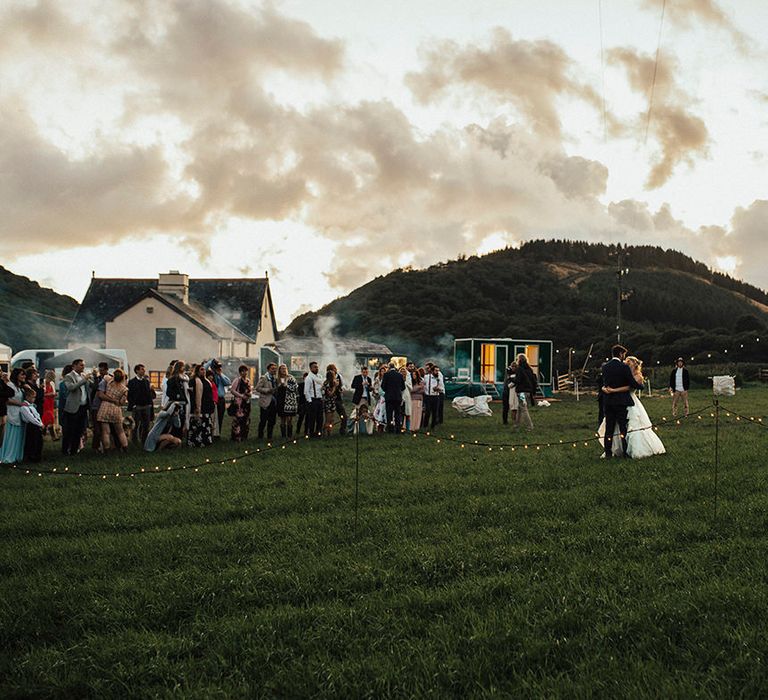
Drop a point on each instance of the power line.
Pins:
(602, 66)
(655, 69)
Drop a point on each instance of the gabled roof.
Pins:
(212, 323)
(312, 345)
(237, 301)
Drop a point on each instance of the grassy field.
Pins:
(472, 572)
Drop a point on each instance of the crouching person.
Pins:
(360, 420)
(160, 437)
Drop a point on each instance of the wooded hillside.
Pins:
(564, 291)
(32, 316)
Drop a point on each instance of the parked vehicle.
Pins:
(41, 357)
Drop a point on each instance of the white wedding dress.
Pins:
(642, 440)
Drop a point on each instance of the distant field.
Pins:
(473, 572)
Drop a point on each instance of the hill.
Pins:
(32, 316)
(564, 291)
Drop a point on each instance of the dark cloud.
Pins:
(530, 75)
(682, 136)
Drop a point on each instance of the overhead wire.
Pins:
(655, 71)
(602, 67)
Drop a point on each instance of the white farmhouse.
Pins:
(173, 317)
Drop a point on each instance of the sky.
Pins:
(327, 142)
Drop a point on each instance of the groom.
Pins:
(616, 375)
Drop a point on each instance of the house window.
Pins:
(150, 309)
(487, 362)
(298, 363)
(165, 338)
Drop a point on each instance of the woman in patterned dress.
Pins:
(200, 430)
(110, 415)
(329, 401)
(241, 418)
(287, 400)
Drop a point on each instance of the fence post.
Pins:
(717, 449)
(357, 465)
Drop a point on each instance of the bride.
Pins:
(642, 440)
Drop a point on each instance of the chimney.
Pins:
(174, 283)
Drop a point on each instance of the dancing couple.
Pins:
(626, 430)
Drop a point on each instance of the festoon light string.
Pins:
(437, 438)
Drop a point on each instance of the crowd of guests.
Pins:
(190, 405)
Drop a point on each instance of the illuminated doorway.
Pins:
(531, 353)
(487, 362)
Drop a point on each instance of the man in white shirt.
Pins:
(679, 383)
(434, 388)
(361, 387)
(313, 393)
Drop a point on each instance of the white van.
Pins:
(37, 356)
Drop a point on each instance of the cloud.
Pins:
(746, 242)
(196, 56)
(42, 25)
(682, 136)
(576, 176)
(682, 13)
(531, 75)
(439, 195)
(49, 199)
(360, 174)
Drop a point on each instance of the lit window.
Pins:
(156, 379)
(165, 338)
(298, 363)
(487, 362)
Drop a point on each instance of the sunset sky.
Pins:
(331, 141)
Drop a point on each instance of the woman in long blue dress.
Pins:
(12, 449)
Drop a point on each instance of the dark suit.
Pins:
(393, 385)
(302, 408)
(140, 398)
(357, 388)
(505, 396)
(600, 405)
(616, 374)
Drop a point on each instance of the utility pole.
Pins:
(620, 295)
(619, 275)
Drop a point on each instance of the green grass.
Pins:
(472, 573)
